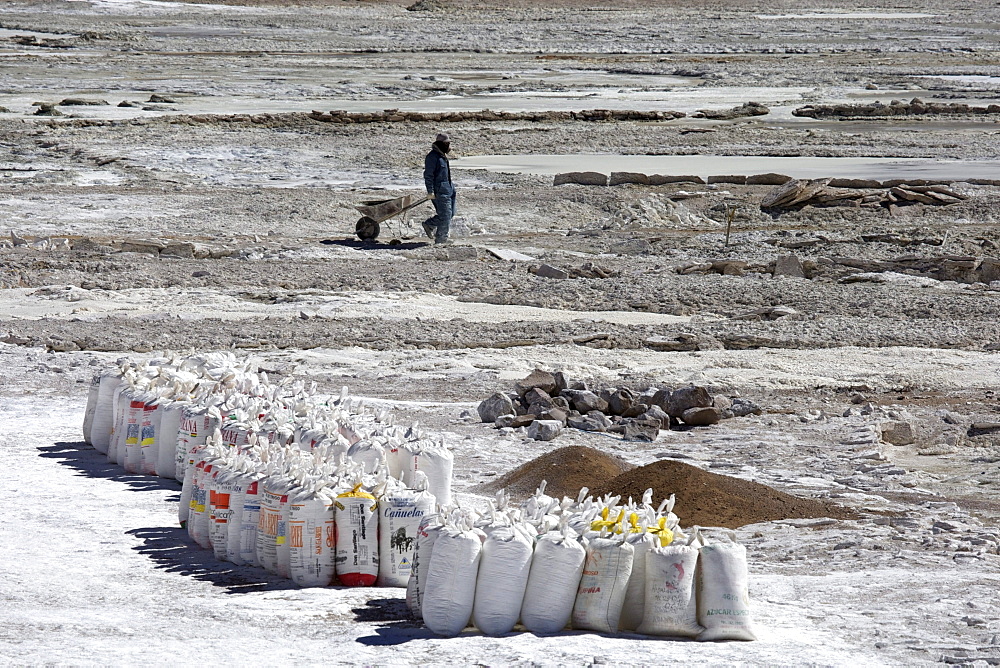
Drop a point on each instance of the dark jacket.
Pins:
(437, 173)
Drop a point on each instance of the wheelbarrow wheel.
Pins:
(367, 229)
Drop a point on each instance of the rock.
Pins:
(557, 414)
(857, 184)
(161, 99)
(548, 271)
(789, 265)
(537, 378)
(743, 407)
(61, 345)
(620, 401)
(769, 179)
(494, 406)
(508, 255)
(544, 430)
(140, 246)
(562, 402)
(537, 399)
(581, 178)
(684, 341)
(664, 179)
(635, 410)
(562, 382)
(601, 418)
(793, 193)
(642, 430)
(724, 404)
(48, 110)
(588, 423)
(621, 178)
(504, 421)
(522, 420)
(898, 432)
(742, 111)
(701, 416)
(658, 414)
(692, 396)
(201, 273)
(585, 401)
(81, 102)
(989, 270)
(179, 249)
(661, 399)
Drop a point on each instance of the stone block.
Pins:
(701, 416)
(581, 178)
(494, 406)
(548, 271)
(898, 432)
(769, 179)
(685, 398)
(537, 378)
(789, 265)
(621, 178)
(544, 430)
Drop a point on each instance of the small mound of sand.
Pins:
(710, 499)
(566, 470)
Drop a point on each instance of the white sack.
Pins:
(400, 512)
(503, 574)
(166, 436)
(723, 596)
(436, 464)
(93, 396)
(670, 602)
(553, 581)
(236, 500)
(220, 513)
(357, 539)
(451, 581)
(100, 430)
(427, 534)
(601, 594)
(635, 592)
(311, 533)
(149, 438)
(250, 520)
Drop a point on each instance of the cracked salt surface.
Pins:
(75, 302)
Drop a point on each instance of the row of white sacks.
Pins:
(589, 565)
(324, 492)
(268, 469)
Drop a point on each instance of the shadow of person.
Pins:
(400, 626)
(89, 462)
(172, 550)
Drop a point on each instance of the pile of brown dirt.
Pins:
(710, 499)
(566, 470)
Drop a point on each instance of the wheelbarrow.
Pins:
(375, 212)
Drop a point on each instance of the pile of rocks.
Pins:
(819, 193)
(546, 403)
(487, 115)
(915, 107)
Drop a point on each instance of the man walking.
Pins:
(437, 178)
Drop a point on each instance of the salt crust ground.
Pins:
(104, 576)
(99, 573)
